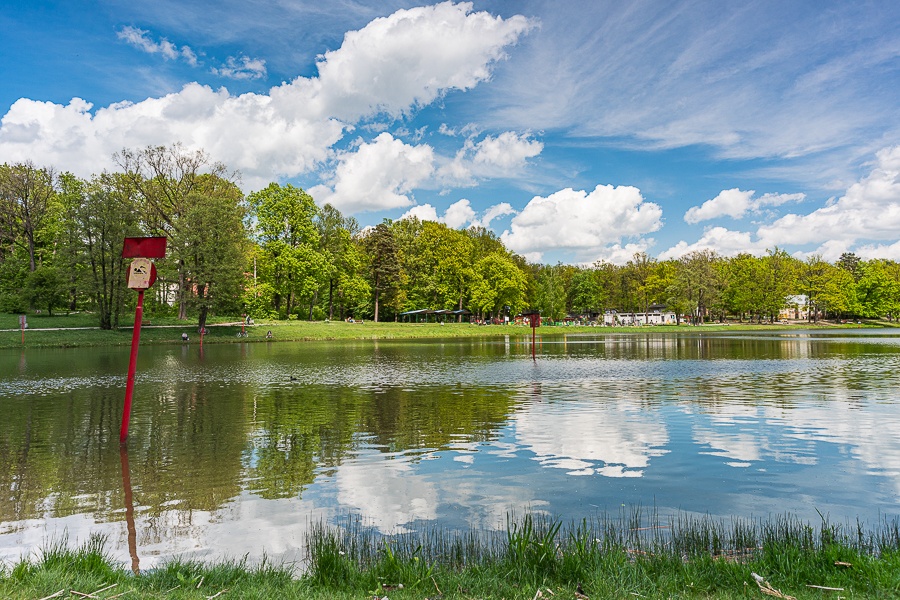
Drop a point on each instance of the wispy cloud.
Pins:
(682, 74)
(141, 39)
(242, 67)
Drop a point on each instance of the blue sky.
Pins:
(577, 131)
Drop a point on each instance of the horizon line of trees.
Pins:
(275, 254)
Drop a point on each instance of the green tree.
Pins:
(698, 284)
(341, 258)
(107, 215)
(69, 244)
(45, 288)
(851, 263)
(742, 294)
(877, 292)
(550, 296)
(209, 246)
(26, 193)
(813, 281)
(639, 270)
(779, 280)
(166, 178)
(498, 282)
(287, 234)
(383, 261)
(484, 242)
(443, 266)
(609, 280)
(839, 295)
(659, 281)
(586, 295)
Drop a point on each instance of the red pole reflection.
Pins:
(132, 366)
(129, 510)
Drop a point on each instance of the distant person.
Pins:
(184, 337)
(269, 335)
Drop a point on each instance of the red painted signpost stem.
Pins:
(132, 365)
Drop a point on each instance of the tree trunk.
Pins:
(331, 299)
(204, 307)
(377, 293)
(182, 301)
(312, 304)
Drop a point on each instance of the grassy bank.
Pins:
(80, 330)
(626, 557)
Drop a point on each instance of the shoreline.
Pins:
(54, 332)
(534, 556)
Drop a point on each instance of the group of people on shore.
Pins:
(204, 331)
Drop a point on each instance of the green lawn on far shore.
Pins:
(80, 330)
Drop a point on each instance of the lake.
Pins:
(237, 449)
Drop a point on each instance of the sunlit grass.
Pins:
(635, 554)
(80, 330)
(632, 555)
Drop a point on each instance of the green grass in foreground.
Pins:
(535, 557)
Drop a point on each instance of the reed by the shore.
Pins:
(633, 555)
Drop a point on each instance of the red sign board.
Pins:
(144, 247)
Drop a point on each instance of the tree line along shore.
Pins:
(274, 254)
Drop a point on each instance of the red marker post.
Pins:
(534, 317)
(141, 275)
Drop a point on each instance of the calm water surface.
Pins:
(237, 449)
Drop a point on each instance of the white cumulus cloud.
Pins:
(736, 203)
(391, 66)
(733, 203)
(459, 214)
(719, 239)
(870, 209)
(495, 212)
(377, 176)
(581, 221)
(406, 60)
(501, 156)
(868, 212)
